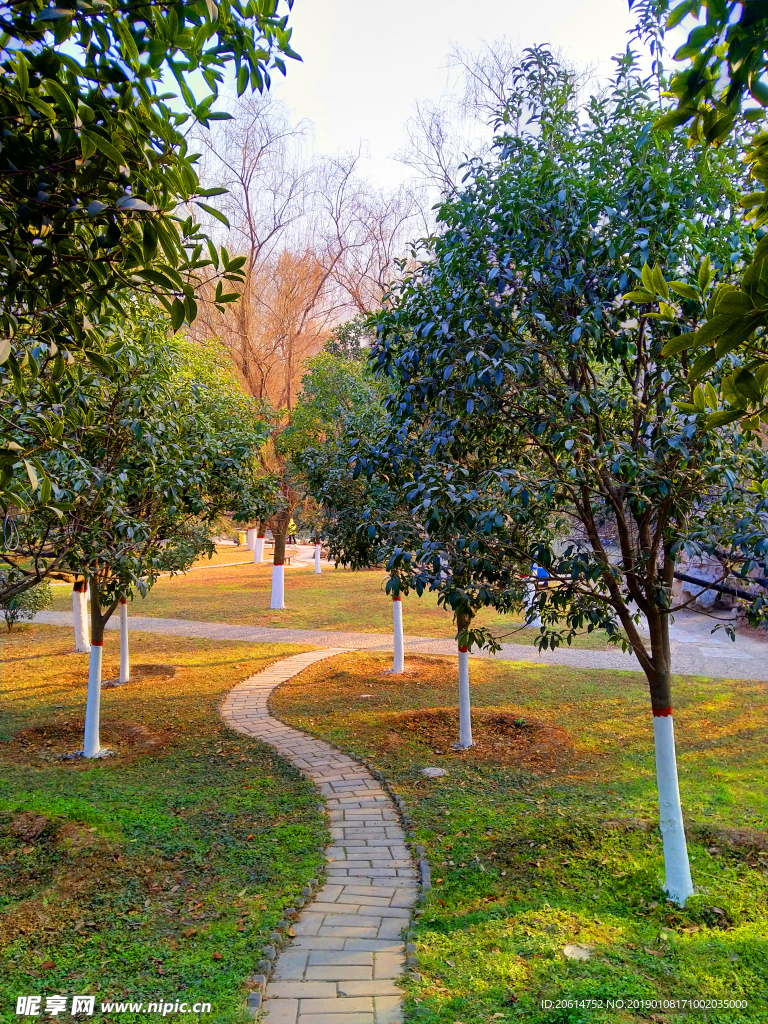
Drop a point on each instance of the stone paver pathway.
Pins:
(348, 952)
(695, 653)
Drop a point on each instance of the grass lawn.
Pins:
(544, 835)
(156, 873)
(336, 600)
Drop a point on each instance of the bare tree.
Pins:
(319, 243)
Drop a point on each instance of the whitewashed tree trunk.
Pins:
(250, 539)
(677, 871)
(125, 661)
(80, 619)
(532, 617)
(91, 739)
(278, 587)
(258, 551)
(318, 570)
(398, 659)
(465, 706)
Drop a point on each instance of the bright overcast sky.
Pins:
(365, 62)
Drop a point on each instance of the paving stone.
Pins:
(341, 972)
(384, 987)
(318, 958)
(338, 1017)
(301, 990)
(281, 1011)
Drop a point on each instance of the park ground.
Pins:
(160, 870)
(163, 869)
(543, 837)
(337, 600)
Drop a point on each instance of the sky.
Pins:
(366, 62)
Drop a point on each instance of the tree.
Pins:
(727, 62)
(94, 172)
(534, 422)
(26, 604)
(170, 444)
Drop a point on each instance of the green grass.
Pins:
(535, 850)
(158, 872)
(336, 600)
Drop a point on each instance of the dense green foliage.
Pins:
(97, 179)
(533, 420)
(163, 445)
(726, 60)
(25, 604)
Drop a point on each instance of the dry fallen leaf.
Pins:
(654, 952)
(576, 952)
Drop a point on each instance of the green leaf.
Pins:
(719, 419)
(698, 400)
(687, 291)
(705, 362)
(22, 73)
(100, 362)
(639, 295)
(5, 349)
(177, 314)
(745, 384)
(680, 344)
(31, 473)
(213, 212)
(647, 276)
(733, 303)
(706, 273)
(711, 394)
(659, 282)
(104, 146)
(755, 283)
(60, 95)
(712, 329)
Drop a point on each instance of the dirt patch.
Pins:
(500, 736)
(50, 742)
(141, 672)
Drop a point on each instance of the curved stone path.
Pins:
(348, 952)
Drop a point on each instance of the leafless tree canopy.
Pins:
(320, 244)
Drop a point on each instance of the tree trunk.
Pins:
(463, 620)
(318, 548)
(398, 660)
(92, 739)
(250, 536)
(532, 617)
(258, 546)
(80, 618)
(278, 573)
(125, 662)
(677, 871)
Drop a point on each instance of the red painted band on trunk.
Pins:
(97, 643)
(463, 650)
(276, 564)
(78, 587)
(397, 599)
(123, 600)
(662, 712)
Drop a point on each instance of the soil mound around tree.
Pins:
(50, 743)
(503, 737)
(141, 672)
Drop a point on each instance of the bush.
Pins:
(26, 604)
